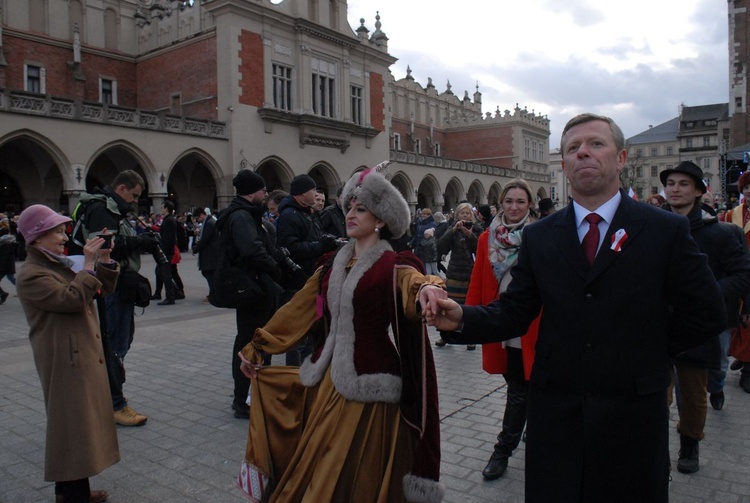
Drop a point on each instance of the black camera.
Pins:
(282, 257)
(468, 225)
(107, 237)
(156, 251)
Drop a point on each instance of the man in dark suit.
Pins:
(621, 295)
(206, 246)
(167, 274)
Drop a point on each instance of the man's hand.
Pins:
(438, 310)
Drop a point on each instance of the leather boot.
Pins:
(514, 420)
(687, 461)
(745, 381)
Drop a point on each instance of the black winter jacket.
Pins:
(726, 248)
(297, 232)
(247, 241)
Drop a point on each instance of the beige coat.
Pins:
(66, 342)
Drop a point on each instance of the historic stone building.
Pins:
(696, 135)
(188, 93)
(739, 59)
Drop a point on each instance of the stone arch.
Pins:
(454, 193)
(476, 193)
(402, 182)
(428, 193)
(326, 178)
(49, 181)
(541, 194)
(117, 156)
(192, 181)
(276, 172)
(493, 196)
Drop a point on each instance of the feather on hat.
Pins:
(373, 190)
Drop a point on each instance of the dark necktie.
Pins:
(591, 239)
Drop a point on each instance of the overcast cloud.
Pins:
(635, 61)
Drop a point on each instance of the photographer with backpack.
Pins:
(107, 209)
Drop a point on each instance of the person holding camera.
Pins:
(250, 245)
(108, 208)
(461, 242)
(58, 302)
(301, 234)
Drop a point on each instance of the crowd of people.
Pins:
(592, 343)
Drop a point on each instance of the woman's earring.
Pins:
(377, 229)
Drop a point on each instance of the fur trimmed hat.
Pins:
(373, 190)
(743, 180)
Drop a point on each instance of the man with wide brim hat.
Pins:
(702, 369)
(689, 168)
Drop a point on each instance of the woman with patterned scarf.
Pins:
(497, 251)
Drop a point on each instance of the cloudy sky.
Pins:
(635, 61)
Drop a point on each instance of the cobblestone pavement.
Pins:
(191, 448)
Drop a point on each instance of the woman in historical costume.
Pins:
(497, 251)
(740, 216)
(66, 341)
(358, 421)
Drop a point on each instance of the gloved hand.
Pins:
(146, 242)
(329, 242)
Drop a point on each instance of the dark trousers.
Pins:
(164, 277)
(177, 279)
(514, 418)
(209, 275)
(74, 491)
(247, 322)
(120, 319)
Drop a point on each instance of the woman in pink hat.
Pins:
(66, 342)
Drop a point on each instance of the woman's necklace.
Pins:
(350, 264)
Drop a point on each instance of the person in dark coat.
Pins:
(726, 249)
(426, 221)
(624, 289)
(166, 274)
(332, 218)
(7, 261)
(298, 232)
(249, 246)
(206, 246)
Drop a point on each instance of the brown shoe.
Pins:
(129, 417)
(98, 496)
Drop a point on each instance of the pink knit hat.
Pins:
(38, 219)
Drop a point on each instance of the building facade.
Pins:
(697, 135)
(188, 93)
(739, 59)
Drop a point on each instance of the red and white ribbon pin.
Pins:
(618, 238)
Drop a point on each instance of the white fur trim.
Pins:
(422, 490)
(338, 351)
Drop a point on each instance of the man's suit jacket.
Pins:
(207, 247)
(168, 233)
(597, 417)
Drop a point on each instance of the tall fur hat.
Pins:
(373, 190)
(743, 180)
